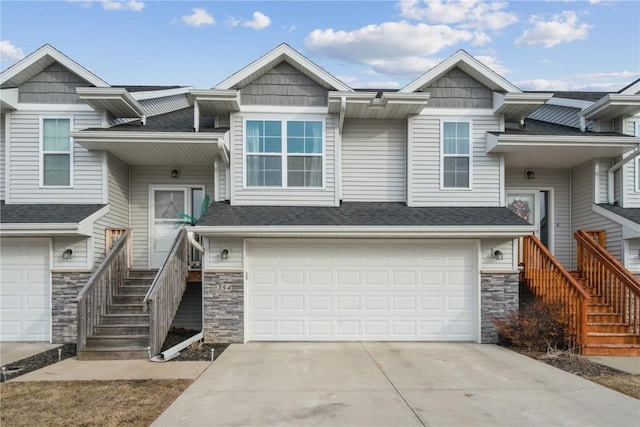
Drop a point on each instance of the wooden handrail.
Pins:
(612, 283)
(164, 295)
(550, 281)
(92, 300)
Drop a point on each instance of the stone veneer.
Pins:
(65, 287)
(498, 295)
(223, 295)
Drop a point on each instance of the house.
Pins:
(337, 214)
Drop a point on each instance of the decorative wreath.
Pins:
(521, 208)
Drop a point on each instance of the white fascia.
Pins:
(133, 137)
(632, 227)
(622, 104)
(85, 226)
(9, 99)
(557, 140)
(572, 103)
(419, 232)
(104, 95)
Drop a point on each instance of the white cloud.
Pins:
(408, 67)
(355, 82)
(232, 22)
(9, 52)
(562, 28)
(473, 14)
(290, 28)
(600, 82)
(493, 63)
(260, 21)
(198, 18)
(131, 5)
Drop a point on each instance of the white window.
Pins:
(56, 152)
(286, 153)
(456, 155)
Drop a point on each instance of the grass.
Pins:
(87, 403)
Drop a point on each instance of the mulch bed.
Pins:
(571, 362)
(195, 352)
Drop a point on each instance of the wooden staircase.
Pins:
(122, 332)
(602, 298)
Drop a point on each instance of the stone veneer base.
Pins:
(65, 287)
(498, 296)
(223, 305)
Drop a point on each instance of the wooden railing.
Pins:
(101, 287)
(549, 281)
(600, 236)
(111, 236)
(612, 283)
(166, 292)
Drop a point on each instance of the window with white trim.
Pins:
(287, 153)
(456, 154)
(56, 152)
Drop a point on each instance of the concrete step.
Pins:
(125, 309)
(611, 350)
(114, 341)
(115, 319)
(114, 353)
(612, 338)
(122, 329)
(128, 299)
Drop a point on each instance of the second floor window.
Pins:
(284, 153)
(456, 155)
(57, 149)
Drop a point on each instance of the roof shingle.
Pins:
(45, 213)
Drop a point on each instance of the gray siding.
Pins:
(560, 181)
(118, 216)
(55, 85)
(632, 199)
(2, 148)
(566, 116)
(425, 165)
(221, 177)
(79, 246)
(141, 179)
(25, 159)
(156, 106)
(457, 89)
(374, 161)
(583, 217)
(283, 196)
(284, 85)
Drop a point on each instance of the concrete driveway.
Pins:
(392, 384)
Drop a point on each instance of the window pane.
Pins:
(56, 169)
(253, 136)
(263, 136)
(264, 171)
(455, 138)
(55, 134)
(456, 172)
(295, 129)
(295, 145)
(295, 179)
(304, 171)
(169, 204)
(272, 128)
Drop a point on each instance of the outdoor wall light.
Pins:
(175, 173)
(67, 254)
(497, 255)
(530, 174)
(224, 254)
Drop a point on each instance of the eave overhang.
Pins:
(82, 228)
(366, 105)
(557, 151)
(630, 229)
(215, 101)
(115, 100)
(515, 106)
(612, 106)
(389, 232)
(9, 99)
(170, 149)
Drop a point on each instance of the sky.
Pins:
(537, 45)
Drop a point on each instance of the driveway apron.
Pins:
(391, 384)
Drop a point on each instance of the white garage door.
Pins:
(25, 296)
(361, 290)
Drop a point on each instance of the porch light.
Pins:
(497, 255)
(67, 254)
(224, 254)
(530, 174)
(175, 173)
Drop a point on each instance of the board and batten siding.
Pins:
(283, 196)
(54, 85)
(118, 215)
(3, 165)
(583, 217)
(457, 89)
(25, 159)
(142, 177)
(558, 180)
(374, 161)
(424, 165)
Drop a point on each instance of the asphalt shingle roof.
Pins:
(632, 214)
(357, 214)
(537, 127)
(45, 213)
(579, 96)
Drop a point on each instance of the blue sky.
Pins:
(537, 45)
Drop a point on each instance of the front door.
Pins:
(533, 205)
(166, 206)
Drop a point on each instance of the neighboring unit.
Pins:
(336, 214)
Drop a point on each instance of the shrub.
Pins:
(539, 325)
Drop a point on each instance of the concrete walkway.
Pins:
(630, 365)
(102, 370)
(13, 351)
(399, 384)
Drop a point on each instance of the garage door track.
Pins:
(392, 384)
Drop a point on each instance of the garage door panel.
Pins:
(361, 290)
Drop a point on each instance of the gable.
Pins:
(457, 89)
(54, 85)
(284, 85)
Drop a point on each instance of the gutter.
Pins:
(611, 198)
(174, 351)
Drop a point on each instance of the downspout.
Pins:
(611, 199)
(343, 110)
